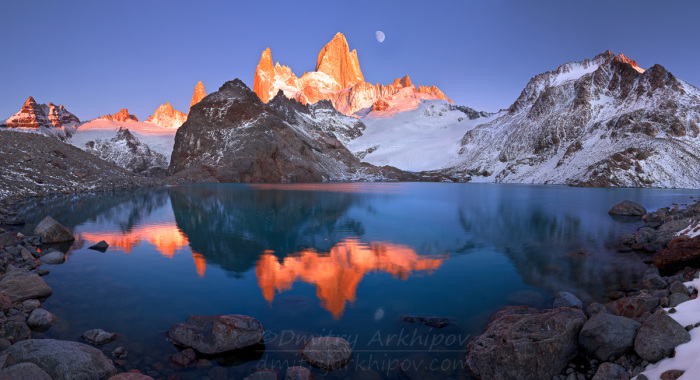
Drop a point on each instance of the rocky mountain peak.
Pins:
(167, 117)
(624, 59)
(30, 101)
(199, 94)
(50, 120)
(122, 115)
(337, 61)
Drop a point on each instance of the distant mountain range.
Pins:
(599, 122)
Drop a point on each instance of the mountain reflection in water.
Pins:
(337, 274)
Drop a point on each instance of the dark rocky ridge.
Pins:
(33, 164)
(232, 136)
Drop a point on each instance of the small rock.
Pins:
(130, 376)
(5, 302)
(24, 371)
(678, 287)
(610, 371)
(633, 307)
(41, 320)
(53, 257)
(658, 337)
(14, 221)
(654, 281)
(42, 272)
(8, 240)
(437, 322)
(99, 337)
(184, 358)
(30, 305)
(298, 373)
(22, 285)
(566, 299)
(51, 231)
(26, 255)
(119, 352)
(672, 374)
(677, 299)
(101, 246)
(595, 308)
(628, 208)
(327, 352)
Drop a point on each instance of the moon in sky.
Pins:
(380, 36)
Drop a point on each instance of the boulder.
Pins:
(566, 299)
(21, 285)
(24, 371)
(526, 343)
(634, 307)
(8, 240)
(61, 359)
(263, 374)
(51, 231)
(41, 320)
(298, 373)
(610, 371)
(101, 246)
(606, 335)
(681, 252)
(212, 334)
(15, 329)
(327, 352)
(53, 257)
(628, 208)
(653, 281)
(99, 337)
(30, 305)
(658, 337)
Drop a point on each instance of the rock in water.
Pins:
(51, 231)
(41, 320)
(658, 337)
(101, 246)
(53, 257)
(606, 335)
(130, 376)
(298, 373)
(327, 352)
(566, 299)
(24, 371)
(213, 334)
(628, 208)
(184, 358)
(22, 285)
(525, 343)
(99, 337)
(62, 359)
(263, 374)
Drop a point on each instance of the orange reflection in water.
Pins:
(167, 239)
(336, 274)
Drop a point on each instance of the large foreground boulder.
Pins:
(628, 208)
(212, 334)
(61, 359)
(24, 371)
(21, 285)
(606, 335)
(51, 231)
(681, 252)
(658, 337)
(327, 352)
(521, 342)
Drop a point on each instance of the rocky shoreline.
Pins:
(631, 336)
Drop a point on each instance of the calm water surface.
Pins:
(332, 259)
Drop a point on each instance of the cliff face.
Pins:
(338, 78)
(232, 136)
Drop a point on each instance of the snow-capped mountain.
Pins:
(128, 152)
(51, 120)
(232, 136)
(122, 115)
(425, 138)
(338, 78)
(599, 122)
(167, 117)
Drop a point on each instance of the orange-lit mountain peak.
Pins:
(337, 274)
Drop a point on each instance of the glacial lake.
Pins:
(346, 259)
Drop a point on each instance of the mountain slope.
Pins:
(600, 122)
(232, 136)
(337, 78)
(128, 152)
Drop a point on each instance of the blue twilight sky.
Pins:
(97, 57)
